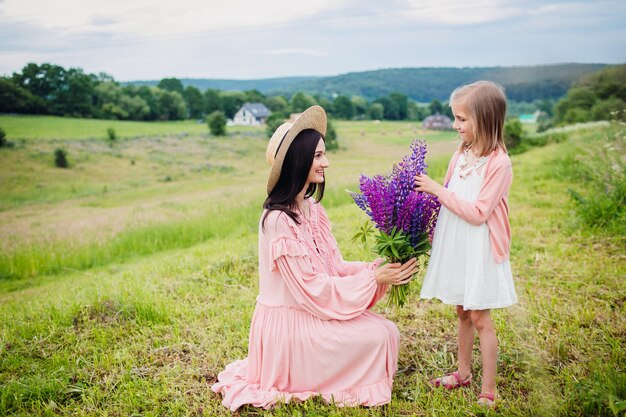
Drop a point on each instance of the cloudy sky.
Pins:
(248, 39)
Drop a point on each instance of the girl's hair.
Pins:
(485, 104)
(293, 176)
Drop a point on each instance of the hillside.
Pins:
(524, 83)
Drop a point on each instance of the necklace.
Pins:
(463, 163)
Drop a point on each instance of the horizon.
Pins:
(374, 70)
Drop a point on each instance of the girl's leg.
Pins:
(488, 348)
(466, 342)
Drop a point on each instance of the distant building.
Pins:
(437, 122)
(251, 114)
(529, 118)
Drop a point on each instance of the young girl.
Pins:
(312, 332)
(469, 265)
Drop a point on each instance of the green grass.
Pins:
(52, 127)
(153, 285)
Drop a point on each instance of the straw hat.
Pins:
(312, 118)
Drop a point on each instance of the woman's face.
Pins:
(320, 163)
(462, 123)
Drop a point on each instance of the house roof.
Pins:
(257, 109)
(438, 118)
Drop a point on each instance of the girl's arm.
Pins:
(495, 187)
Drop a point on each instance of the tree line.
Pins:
(55, 90)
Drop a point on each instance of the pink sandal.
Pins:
(487, 400)
(457, 382)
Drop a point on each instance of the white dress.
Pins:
(462, 269)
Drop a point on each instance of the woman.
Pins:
(312, 333)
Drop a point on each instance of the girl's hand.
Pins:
(428, 185)
(396, 274)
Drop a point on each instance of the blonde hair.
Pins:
(485, 104)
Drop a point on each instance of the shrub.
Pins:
(272, 123)
(217, 123)
(600, 170)
(60, 158)
(111, 135)
(331, 137)
(3, 140)
(513, 133)
(544, 122)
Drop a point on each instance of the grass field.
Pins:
(127, 282)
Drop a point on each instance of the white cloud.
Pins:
(160, 17)
(293, 51)
(454, 12)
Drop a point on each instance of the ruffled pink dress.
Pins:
(311, 332)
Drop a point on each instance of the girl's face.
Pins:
(462, 123)
(320, 163)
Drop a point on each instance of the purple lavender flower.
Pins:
(390, 201)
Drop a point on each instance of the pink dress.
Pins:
(312, 333)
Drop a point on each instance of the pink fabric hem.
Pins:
(236, 390)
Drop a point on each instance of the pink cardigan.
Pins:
(491, 205)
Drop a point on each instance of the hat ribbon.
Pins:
(281, 142)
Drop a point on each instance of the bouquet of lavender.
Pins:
(405, 219)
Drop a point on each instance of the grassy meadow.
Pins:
(128, 280)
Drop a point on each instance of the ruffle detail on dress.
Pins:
(236, 390)
(285, 246)
(321, 231)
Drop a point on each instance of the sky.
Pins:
(252, 39)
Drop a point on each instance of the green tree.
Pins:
(65, 92)
(612, 108)
(172, 105)
(273, 121)
(376, 111)
(171, 84)
(416, 111)
(343, 107)
(330, 139)
(213, 101)
(435, 107)
(360, 106)
(149, 96)
(325, 103)
(194, 101)
(231, 102)
(598, 96)
(277, 104)
(546, 105)
(254, 96)
(113, 102)
(402, 103)
(217, 123)
(513, 133)
(300, 102)
(391, 108)
(447, 110)
(15, 99)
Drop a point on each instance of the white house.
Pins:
(251, 114)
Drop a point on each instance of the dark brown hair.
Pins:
(293, 176)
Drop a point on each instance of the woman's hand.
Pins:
(428, 185)
(396, 274)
